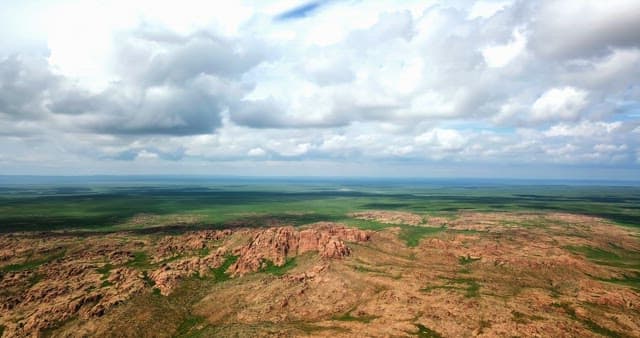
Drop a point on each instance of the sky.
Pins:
(514, 89)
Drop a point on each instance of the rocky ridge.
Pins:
(88, 279)
(276, 244)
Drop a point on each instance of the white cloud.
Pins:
(146, 155)
(256, 152)
(486, 9)
(444, 139)
(288, 148)
(565, 151)
(616, 68)
(425, 81)
(609, 148)
(399, 150)
(501, 55)
(334, 143)
(559, 104)
(570, 29)
(583, 129)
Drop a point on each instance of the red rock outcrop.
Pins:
(70, 290)
(389, 217)
(276, 244)
(169, 275)
(191, 241)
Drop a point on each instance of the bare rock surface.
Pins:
(168, 276)
(276, 244)
(483, 274)
(169, 246)
(389, 217)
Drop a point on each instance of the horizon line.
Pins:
(399, 178)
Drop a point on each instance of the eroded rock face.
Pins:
(593, 292)
(307, 275)
(68, 290)
(191, 241)
(389, 217)
(513, 278)
(85, 277)
(273, 244)
(168, 276)
(276, 244)
(492, 274)
(60, 277)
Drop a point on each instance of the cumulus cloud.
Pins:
(26, 84)
(584, 29)
(163, 84)
(501, 55)
(418, 82)
(559, 104)
(445, 139)
(256, 152)
(583, 129)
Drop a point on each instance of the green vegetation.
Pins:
(348, 317)
(48, 332)
(567, 308)
(188, 327)
(467, 260)
(140, 260)
(445, 287)
(264, 328)
(362, 268)
(413, 234)
(33, 280)
(105, 271)
(147, 279)
(204, 252)
(614, 257)
(167, 314)
(409, 233)
(628, 280)
(591, 325)
(220, 273)
(555, 291)
(279, 270)
(472, 288)
(178, 207)
(595, 254)
(425, 332)
(308, 328)
(365, 224)
(522, 318)
(31, 264)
